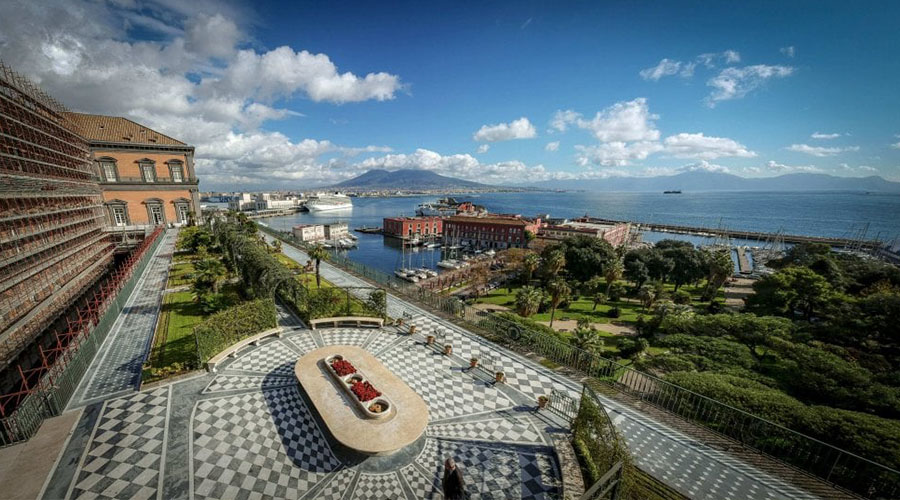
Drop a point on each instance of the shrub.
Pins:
(681, 297)
(232, 325)
(615, 312)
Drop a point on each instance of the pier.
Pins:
(855, 244)
(744, 266)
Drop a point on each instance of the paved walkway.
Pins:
(669, 455)
(117, 367)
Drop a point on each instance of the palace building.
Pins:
(147, 178)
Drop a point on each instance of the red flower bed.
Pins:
(342, 367)
(364, 391)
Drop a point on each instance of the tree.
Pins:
(191, 238)
(616, 292)
(790, 289)
(687, 264)
(594, 288)
(553, 261)
(719, 267)
(647, 296)
(528, 300)
(613, 272)
(529, 236)
(318, 253)
(559, 291)
(587, 340)
(209, 272)
(530, 264)
(636, 271)
(277, 246)
(587, 256)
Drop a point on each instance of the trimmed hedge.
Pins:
(233, 325)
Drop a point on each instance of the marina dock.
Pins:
(744, 266)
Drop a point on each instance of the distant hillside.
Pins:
(717, 181)
(406, 179)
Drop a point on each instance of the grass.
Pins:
(174, 348)
(578, 307)
(181, 274)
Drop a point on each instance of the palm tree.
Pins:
(720, 268)
(209, 272)
(613, 272)
(530, 264)
(559, 291)
(647, 295)
(587, 343)
(318, 253)
(554, 262)
(528, 300)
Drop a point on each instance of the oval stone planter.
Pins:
(360, 377)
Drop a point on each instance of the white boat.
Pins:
(428, 272)
(448, 264)
(490, 253)
(433, 245)
(326, 202)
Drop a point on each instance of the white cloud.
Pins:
(623, 122)
(896, 145)
(666, 67)
(459, 165)
(788, 51)
(735, 83)
(781, 168)
(863, 170)
(516, 129)
(731, 56)
(703, 147)
(552, 146)
(190, 78)
(819, 150)
(483, 148)
(562, 119)
(709, 59)
(614, 154)
(824, 136)
(703, 166)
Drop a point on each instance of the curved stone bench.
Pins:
(231, 350)
(347, 321)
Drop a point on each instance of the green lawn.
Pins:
(181, 274)
(579, 307)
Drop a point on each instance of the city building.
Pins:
(336, 231)
(488, 232)
(309, 232)
(147, 178)
(406, 227)
(241, 202)
(615, 234)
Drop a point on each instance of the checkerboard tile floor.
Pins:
(125, 453)
(383, 338)
(425, 487)
(271, 358)
(493, 472)
(304, 341)
(258, 444)
(345, 336)
(510, 430)
(378, 486)
(246, 382)
(446, 389)
(338, 486)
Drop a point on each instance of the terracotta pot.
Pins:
(542, 402)
(429, 339)
(448, 350)
(499, 377)
(473, 363)
(412, 329)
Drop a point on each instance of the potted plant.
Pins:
(500, 377)
(399, 321)
(473, 362)
(448, 350)
(412, 329)
(429, 339)
(542, 402)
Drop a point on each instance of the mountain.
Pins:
(407, 179)
(718, 181)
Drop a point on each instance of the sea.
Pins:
(832, 214)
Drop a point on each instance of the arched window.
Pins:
(176, 170)
(182, 210)
(148, 169)
(109, 172)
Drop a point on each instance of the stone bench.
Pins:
(231, 350)
(347, 321)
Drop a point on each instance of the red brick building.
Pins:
(405, 227)
(488, 232)
(614, 234)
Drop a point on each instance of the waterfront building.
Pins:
(336, 231)
(147, 178)
(406, 227)
(309, 232)
(614, 234)
(52, 244)
(241, 202)
(488, 232)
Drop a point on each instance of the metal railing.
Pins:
(57, 386)
(829, 463)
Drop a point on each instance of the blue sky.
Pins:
(299, 94)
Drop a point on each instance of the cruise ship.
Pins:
(324, 202)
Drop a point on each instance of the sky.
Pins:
(293, 95)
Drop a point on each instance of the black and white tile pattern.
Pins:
(126, 452)
(304, 341)
(425, 487)
(257, 444)
(338, 486)
(377, 487)
(509, 430)
(247, 382)
(273, 358)
(345, 336)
